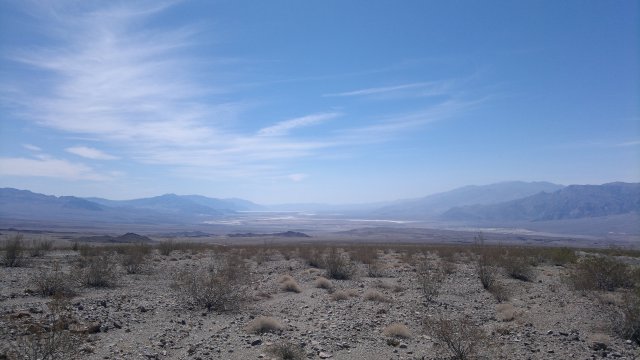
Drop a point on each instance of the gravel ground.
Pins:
(144, 316)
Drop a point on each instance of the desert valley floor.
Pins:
(282, 302)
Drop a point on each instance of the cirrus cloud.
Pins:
(90, 153)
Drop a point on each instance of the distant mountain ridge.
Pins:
(165, 209)
(436, 204)
(613, 207)
(194, 204)
(571, 202)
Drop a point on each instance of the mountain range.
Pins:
(571, 202)
(500, 204)
(436, 204)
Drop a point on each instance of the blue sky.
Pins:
(315, 101)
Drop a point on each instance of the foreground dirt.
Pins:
(145, 317)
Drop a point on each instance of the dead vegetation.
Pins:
(286, 350)
(221, 286)
(47, 337)
(13, 251)
(397, 330)
(461, 337)
(264, 324)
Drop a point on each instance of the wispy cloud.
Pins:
(297, 177)
(31, 147)
(283, 127)
(419, 88)
(597, 144)
(393, 125)
(628, 143)
(139, 88)
(90, 153)
(45, 166)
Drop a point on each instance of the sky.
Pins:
(316, 101)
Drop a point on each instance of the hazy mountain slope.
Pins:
(469, 195)
(194, 204)
(26, 205)
(171, 203)
(572, 202)
(232, 204)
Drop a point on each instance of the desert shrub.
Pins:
(13, 251)
(375, 269)
(364, 254)
(505, 312)
(486, 272)
(97, 271)
(601, 273)
(323, 283)
(312, 256)
(460, 336)
(562, 256)
(387, 286)
(285, 278)
(220, 287)
(397, 330)
(499, 292)
(430, 282)
(87, 250)
(448, 267)
(47, 338)
(340, 295)
(264, 324)
(368, 256)
(290, 286)
(517, 267)
(635, 275)
(53, 283)
(38, 248)
(286, 351)
(166, 247)
(373, 295)
(626, 319)
(134, 257)
(344, 294)
(338, 266)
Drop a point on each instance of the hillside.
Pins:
(435, 204)
(24, 205)
(572, 202)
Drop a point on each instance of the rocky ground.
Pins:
(146, 316)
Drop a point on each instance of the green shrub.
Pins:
(562, 256)
(517, 267)
(601, 273)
